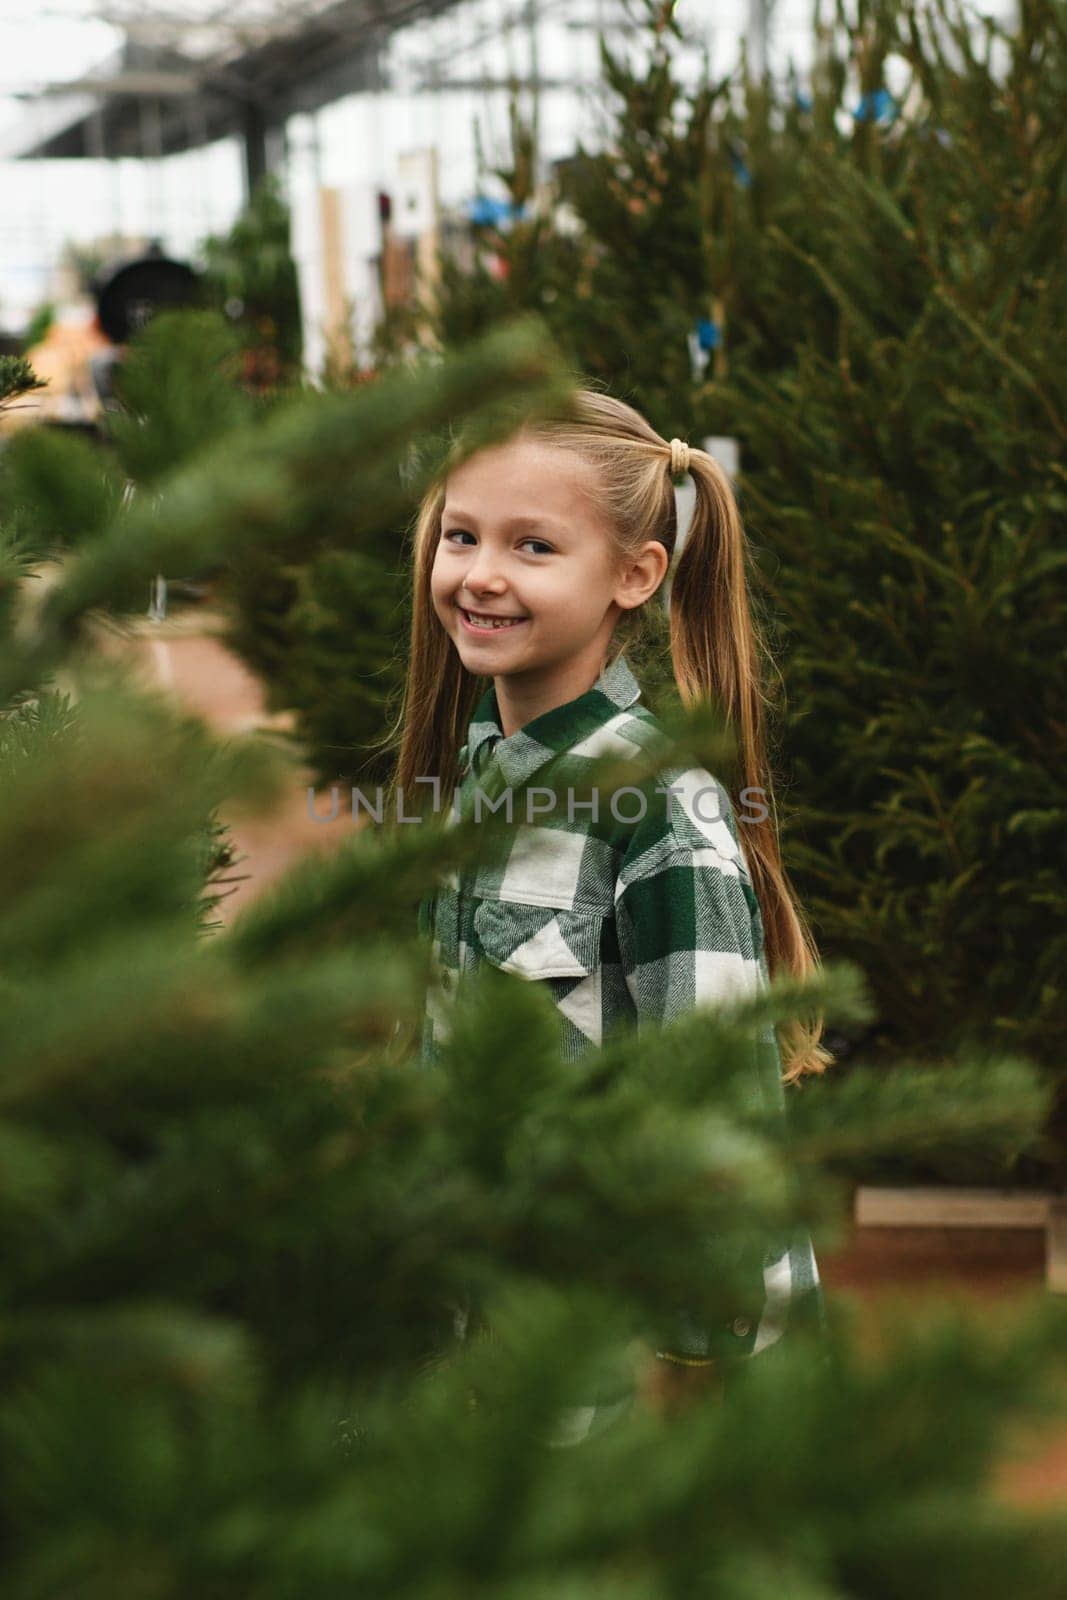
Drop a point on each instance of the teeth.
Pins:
(492, 622)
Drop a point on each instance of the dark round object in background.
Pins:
(129, 295)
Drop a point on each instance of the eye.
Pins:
(452, 533)
(545, 548)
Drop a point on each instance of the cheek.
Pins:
(439, 584)
(585, 594)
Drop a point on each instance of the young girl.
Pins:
(533, 562)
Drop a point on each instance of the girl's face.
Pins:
(523, 579)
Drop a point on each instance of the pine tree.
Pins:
(904, 483)
(618, 254)
(251, 277)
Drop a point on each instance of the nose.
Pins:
(483, 575)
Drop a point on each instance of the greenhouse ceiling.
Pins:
(187, 73)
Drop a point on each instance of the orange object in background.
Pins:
(63, 360)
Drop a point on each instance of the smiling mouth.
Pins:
(485, 623)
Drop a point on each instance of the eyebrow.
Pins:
(511, 522)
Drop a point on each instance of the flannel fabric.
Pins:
(630, 918)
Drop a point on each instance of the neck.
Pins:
(522, 696)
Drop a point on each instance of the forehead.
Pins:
(522, 478)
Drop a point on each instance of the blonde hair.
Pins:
(716, 649)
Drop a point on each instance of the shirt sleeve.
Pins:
(690, 934)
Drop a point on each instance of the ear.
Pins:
(641, 575)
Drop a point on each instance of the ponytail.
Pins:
(718, 656)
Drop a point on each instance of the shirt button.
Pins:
(741, 1326)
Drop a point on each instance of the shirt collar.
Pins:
(520, 755)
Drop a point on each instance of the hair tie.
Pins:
(679, 457)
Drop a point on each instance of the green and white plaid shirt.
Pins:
(629, 922)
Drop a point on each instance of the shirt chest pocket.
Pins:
(537, 941)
